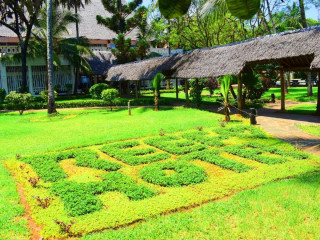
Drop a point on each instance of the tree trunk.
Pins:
(309, 84)
(24, 67)
(303, 13)
(77, 71)
(287, 82)
(283, 94)
(186, 85)
(51, 103)
(233, 93)
(318, 102)
(168, 84)
(177, 89)
(156, 99)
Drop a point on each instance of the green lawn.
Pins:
(303, 109)
(311, 129)
(270, 211)
(288, 209)
(295, 94)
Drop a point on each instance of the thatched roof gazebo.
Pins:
(297, 50)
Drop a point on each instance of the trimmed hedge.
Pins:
(175, 145)
(80, 198)
(213, 156)
(185, 174)
(123, 151)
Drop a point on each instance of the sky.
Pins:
(312, 12)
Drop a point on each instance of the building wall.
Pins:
(11, 76)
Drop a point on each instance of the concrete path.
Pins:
(284, 126)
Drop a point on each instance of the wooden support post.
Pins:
(283, 93)
(136, 87)
(239, 93)
(309, 84)
(287, 82)
(186, 89)
(318, 102)
(177, 89)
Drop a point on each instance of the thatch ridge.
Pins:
(293, 49)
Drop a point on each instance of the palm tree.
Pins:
(51, 103)
(76, 4)
(224, 88)
(303, 13)
(72, 49)
(156, 85)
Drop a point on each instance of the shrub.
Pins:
(57, 88)
(2, 95)
(109, 96)
(201, 137)
(197, 86)
(68, 86)
(19, 101)
(96, 90)
(212, 84)
(184, 174)
(44, 95)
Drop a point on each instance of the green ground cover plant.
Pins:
(95, 198)
(311, 129)
(183, 174)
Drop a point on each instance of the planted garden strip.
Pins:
(80, 198)
(48, 168)
(201, 137)
(243, 131)
(123, 151)
(184, 174)
(213, 156)
(175, 145)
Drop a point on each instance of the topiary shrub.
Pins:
(109, 96)
(2, 95)
(96, 90)
(44, 95)
(19, 101)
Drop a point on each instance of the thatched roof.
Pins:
(294, 50)
(101, 62)
(88, 26)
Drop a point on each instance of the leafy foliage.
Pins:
(200, 136)
(123, 52)
(173, 9)
(197, 85)
(44, 95)
(109, 96)
(212, 84)
(97, 89)
(2, 95)
(184, 174)
(243, 9)
(156, 86)
(19, 101)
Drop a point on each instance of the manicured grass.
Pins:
(311, 129)
(295, 94)
(288, 209)
(12, 225)
(34, 132)
(303, 109)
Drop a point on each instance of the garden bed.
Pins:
(78, 191)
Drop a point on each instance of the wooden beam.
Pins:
(239, 93)
(283, 94)
(177, 89)
(318, 102)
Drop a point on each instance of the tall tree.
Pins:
(120, 22)
(303, 13)
(75, 4)
(20, 16)
(51, 102)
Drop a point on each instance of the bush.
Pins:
(2, 95)
(197, 86)
(184, 174)
(109, 96)
(212, 84)
(44, 95)
(96, 90)
(19, 101)
(68, 86)
(57, 88)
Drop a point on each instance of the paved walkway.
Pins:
(284, 126)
